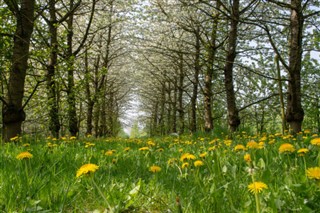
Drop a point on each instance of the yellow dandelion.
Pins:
(14, 138)
(88, 144)
(144, 148)
(160, 150)
(203, 155)
(313, 173)
(286, 148)
(109, 152)
(227, 142)
(171, 161)
(73, 138)
(315, 141)
(185, 165)
(307, 131)
(247, 158)
(239, 147)
(302, 151)
(272, 141)
(26, 145)
(127, 149)
(198, 163)
(87, 169)
(257, 187)
(261, 145)
(24, 155)
(151, 143)
(187, 156)
(155, 169)
(211, 148)
(253, 145)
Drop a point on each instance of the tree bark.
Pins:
(180, 94)
(207, 91)
(295, 113)
(71, 98)
(233, 113)
(54, 122)
(195, 83)
(13, 113)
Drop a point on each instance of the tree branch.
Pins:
(258, 101)
(32, 93)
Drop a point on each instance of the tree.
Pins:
(13, 112)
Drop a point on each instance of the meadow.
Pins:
(199, 173)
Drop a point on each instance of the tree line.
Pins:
(74, 66)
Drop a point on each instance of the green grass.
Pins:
(123, 183)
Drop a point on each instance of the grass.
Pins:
(47, 182)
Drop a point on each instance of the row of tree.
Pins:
(77, 66)
(63, 64)
(250, 62)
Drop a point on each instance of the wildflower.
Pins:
(257, 187)
(203, 155)
(127, 149)
(160, 150)
(198, 163)
(114, 161)
(307, 131)
(73, 138)
(88, 144)
(260, 145)
(239, 147)
(109, 152)
(253, 145)
(302, 151)
(247, 158)
(187, 156)
(313, 173)
(286, 147)
(24, 155)
(151, 143)
(185, 165)
(51, 145)
(14, 138)
(315, 141)
(144, 148)
(171, 161)
(227, 142)
(87, 169)
(272, 141)
(26, 145)
(180, 150)
(155, 169)
(211, 148)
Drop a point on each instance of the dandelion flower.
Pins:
(257, 187)
(253, 145)
(286, 147)
(247, 158)
(185, 165)
(239, 147)
(127, 149)
(24, 155)
(151, 143)
(14, 138)
(203, 155)
(198, 163)
(155, 169)
(187, 156)
(73, 138)
(302, 151)
(313, 173)
(109, 152)
(227, 142)
(315, 141)
(144, 148)
(87, 169)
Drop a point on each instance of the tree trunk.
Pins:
(197, 67)
(282, 109)
(207, 91)
(180, 94)
(54, 122)
(174, 108)
(72, 113)
(233, 113)
(13, 113)
(295, 113)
